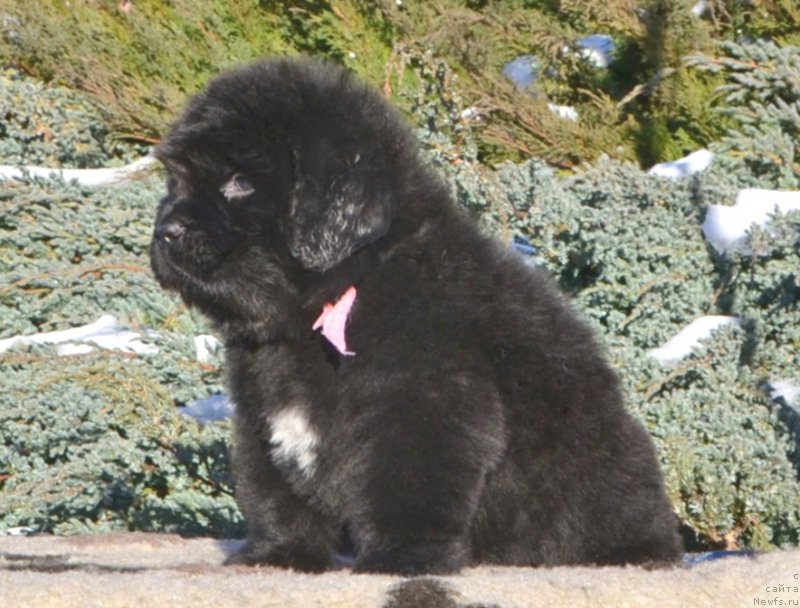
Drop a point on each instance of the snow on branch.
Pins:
(95, 178)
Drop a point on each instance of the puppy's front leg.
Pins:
(433, 442)
(420, 513)
(282, 528)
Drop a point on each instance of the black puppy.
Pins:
(401, 381)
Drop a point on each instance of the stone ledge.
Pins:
(153, 571)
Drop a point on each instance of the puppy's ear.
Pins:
(337, 208)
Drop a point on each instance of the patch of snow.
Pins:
(686, 340)
(567, 112)
(205, 346)
(785, 390)
(726, 227)
(699, 8)
(210, 409)
(522, 71)
(65, 350)
(597, 49)
(693, 163)
(93, 178)
(18, 531)
(471, 114)
(106, 333)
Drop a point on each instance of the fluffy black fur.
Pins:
(478, 421)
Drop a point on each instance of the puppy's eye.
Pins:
(237, 187)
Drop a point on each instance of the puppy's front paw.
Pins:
(412, 561)
(292, 556)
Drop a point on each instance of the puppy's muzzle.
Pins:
(169, 231)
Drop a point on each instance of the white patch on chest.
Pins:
(293, 440)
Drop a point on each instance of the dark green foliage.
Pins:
(761, 97)
(647, 106)
(94, 442)
(777, 20)
(52, 126)
(140, 64)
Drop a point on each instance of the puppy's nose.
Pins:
(170, 231)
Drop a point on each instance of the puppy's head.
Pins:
(279, 168)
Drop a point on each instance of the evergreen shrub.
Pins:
(140, 62)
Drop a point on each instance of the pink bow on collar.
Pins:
(334, 318)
